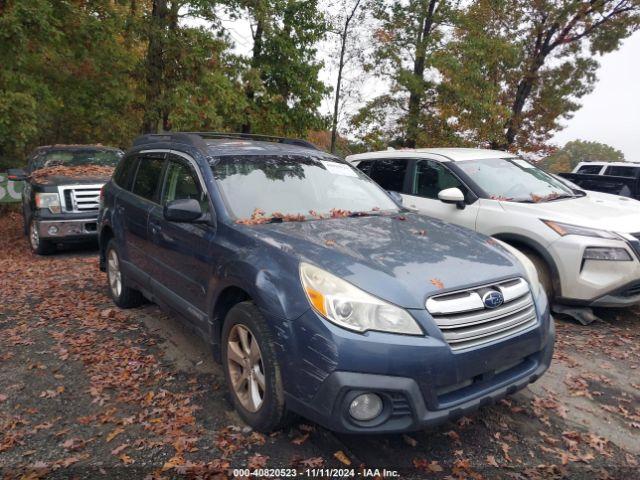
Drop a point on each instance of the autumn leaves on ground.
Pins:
(87, 389)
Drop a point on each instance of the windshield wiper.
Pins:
(559, 197)
(364, 214)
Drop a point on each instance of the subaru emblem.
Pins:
(492, 299)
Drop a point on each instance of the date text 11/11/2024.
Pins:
(315, 473)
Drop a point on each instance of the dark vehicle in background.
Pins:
(60, 199)
(616, 178)
(318, 293)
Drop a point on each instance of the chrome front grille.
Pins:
(80, 198)
(465, 321)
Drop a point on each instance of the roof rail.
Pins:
(196, 139)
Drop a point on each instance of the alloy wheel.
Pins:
(246, 368)
(34, 236)
(114, 274)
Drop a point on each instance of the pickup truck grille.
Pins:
(81, 198)
(465, 322)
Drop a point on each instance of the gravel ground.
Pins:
(88, 390)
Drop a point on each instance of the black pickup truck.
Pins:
(627, 185)
(60, 199)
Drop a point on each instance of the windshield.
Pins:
(514, 179)
(287, 187)
(77, 157)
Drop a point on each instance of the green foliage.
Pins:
(576, 151)
(406, 37)
(514, 69)
(283, 91)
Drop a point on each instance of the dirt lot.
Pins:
(90, 390)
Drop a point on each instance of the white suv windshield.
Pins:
(290, 187)
(514, 179)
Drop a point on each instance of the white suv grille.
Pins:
(465, 321)
(80, 198)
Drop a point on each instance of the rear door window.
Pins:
(390, 173)
(147, 180)
(620, 171)
(590, 169)
(124, 172)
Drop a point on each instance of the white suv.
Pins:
(586, 248)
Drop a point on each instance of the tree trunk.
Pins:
(255, 63)
(154, 67)
(416, 92)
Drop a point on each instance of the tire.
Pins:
(544, 273)
(123, 295)
(38, 245)
(270, 414)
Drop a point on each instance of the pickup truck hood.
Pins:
(400, 258)
(60, 180)
(602, 211)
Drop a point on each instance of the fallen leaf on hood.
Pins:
(436, 282)
(342, 457)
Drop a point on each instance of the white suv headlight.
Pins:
(563, 229)
(349, 307)
(48, 200)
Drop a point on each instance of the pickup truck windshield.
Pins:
(515, 180)
(77, 157)
(257, 189)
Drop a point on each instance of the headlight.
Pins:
(529, 268)
(563, 229)
(349, 307)
(48, 200)
(612, 254)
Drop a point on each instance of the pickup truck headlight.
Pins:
(563, 229)
(48, 200)
(349, 307)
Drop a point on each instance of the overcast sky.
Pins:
(611, 113)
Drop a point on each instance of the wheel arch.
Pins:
(228, 297)
(516, 241)
(106, 234)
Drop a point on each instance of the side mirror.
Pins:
(453, 196)
(16, 174)
(183, 210)
(395, 196)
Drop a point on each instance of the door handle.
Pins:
(120, 209)
(155, 227)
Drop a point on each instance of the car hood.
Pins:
(62, 180)
(601, 211)
(401, 258)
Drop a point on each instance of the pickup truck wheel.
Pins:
(123, 295)
(252, 369)
(38, 245)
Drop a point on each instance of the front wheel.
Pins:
(252, 369)
(122, 294)
(38, 245)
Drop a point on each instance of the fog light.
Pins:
(366, 407)
(53, 230)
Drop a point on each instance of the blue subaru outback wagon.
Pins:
(318, 293)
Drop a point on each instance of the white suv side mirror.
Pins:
(452, 195)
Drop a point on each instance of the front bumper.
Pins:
(79, 228)
(595, 283)
(422, 382)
